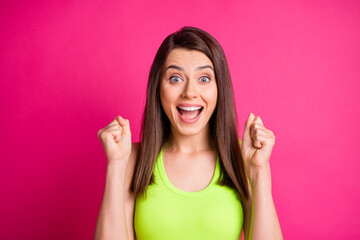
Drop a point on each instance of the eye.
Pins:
(204, 79)
(175, 79)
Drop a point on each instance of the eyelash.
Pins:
(177, 77)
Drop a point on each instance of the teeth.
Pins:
(190, 108)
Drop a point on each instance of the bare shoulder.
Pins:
(129, 197)
(130, 167)
(135, 148)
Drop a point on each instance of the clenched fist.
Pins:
(116, 140)
(257, 144)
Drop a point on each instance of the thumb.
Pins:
(248, 123)
(125, 125)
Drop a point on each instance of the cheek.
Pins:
(163, 99)
(170, 92)
(167, 98)
(211, 96)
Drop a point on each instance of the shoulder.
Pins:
(135, 148)
(129, 198)
(130, 166)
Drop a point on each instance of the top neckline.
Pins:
(170, 186)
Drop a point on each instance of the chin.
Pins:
(190, 130)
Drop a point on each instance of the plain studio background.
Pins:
(67, 68)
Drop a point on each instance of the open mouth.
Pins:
(189, 112)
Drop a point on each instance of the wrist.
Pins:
(260, 177)
(118, 165)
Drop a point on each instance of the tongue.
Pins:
(189, 114)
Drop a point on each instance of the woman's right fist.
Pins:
(116, 140)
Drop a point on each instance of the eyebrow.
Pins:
(182, 69)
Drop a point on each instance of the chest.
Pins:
(169, 212)
(190, 175)
(163, 214)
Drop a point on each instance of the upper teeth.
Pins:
(190, 108)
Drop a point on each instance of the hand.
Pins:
(116, 140)
(256, 146)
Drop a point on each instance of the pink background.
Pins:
(67, 68)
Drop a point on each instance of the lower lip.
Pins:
(189, 121)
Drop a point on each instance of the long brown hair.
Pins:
(223, 122)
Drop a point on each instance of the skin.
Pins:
(187, 84)
(261, 221)
(189, 148)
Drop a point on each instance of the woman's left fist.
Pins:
(257, 144)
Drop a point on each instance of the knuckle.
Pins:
(256, 125)
(272, 134)
(99, 132)
(102, 135)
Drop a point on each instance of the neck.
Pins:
(189, 144)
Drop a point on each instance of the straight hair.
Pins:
(223, 123)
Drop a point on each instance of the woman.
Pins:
(189, 178)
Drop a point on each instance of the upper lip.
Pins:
(189, 105)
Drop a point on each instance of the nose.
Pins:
(190, 89)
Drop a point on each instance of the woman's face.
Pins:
(188, 91)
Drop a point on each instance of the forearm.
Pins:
(111, 222)
(264, 221)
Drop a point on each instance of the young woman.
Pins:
(190, 177)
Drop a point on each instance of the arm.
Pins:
(115, 219)
(111, 222)
(247, 206)
(261, 221)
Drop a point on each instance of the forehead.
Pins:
(187, 58)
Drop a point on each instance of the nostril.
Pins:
(188, 94)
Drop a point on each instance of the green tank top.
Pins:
(166, 212)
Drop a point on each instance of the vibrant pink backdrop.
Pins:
(67, 68)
